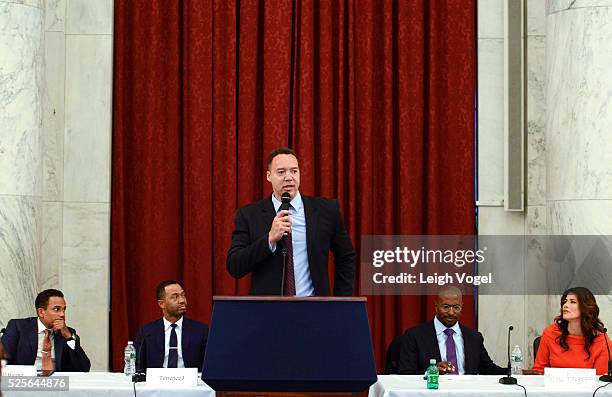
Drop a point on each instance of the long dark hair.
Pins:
(590, 323)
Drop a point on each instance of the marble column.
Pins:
(579, 122)
(21, 86)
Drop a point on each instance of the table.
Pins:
(98, 384)
(473, 386)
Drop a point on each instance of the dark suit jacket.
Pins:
(250, 253)
(21, 344)
(419, 344)
(151, 340)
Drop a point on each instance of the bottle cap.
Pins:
(130, 342)
(432, 361)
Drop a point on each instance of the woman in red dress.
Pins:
(576, 338)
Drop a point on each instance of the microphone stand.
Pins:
(140, 376)
(607, 377)
(508, 379)
(286, 199)
(284, 251)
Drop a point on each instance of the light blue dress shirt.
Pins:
(458, 336)
(303, 281)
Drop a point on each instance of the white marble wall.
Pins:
(21, 87)
(528, 314)
(569, 146)
(76, 170)
(55, 113)
(578, 96)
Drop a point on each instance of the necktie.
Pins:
(47, 362)
(289, 274)
(173, 352)
(451, 351)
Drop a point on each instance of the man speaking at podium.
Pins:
(270, 242)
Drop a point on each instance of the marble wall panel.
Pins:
(536, 120)
(555, 6)
(537, 317)
(48, 273)
(580, 217)
(536, 18)
(27, 3)
(53, 121)
(495, 314)
(578, 93)
(490, 120)
(20, 99)
(55, 15)
(87, 137)
(20, 230)
(85, 273)
(89, 17)
(490, 19)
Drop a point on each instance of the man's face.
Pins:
(173, 303)
(55, 310)
(284, 175)
(448, 309)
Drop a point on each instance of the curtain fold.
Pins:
(377, 97)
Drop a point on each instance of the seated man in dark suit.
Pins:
(45, 341)
(457, 349)
(172, 341)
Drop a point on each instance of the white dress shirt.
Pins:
(179, 332)
(458, 337)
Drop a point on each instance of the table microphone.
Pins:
(508, 379)
(607, 377)
(140, 376)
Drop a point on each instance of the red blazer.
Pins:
(552, 355)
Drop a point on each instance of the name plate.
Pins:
(172, 377)
(19, 370)
(570, 378)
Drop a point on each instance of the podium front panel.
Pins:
(289, 345)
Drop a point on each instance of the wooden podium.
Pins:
(286, 346)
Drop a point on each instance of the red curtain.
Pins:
(377, 97)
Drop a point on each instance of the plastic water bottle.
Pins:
(432, 374)
(517, 361)
(129, 355)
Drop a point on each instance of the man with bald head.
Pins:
(457, 349)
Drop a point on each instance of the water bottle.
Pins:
(129, 355)
(517, 361)
(432, 374)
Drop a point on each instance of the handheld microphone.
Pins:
(140, 375)
(607, 377)
(508, 379)
(285, 203)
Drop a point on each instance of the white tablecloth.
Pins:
(98, 384)
(473, 386)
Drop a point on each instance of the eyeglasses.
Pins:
(446, 308)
